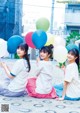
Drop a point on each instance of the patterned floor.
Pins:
(33, 105)
(28, 104)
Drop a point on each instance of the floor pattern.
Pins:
(33, 105)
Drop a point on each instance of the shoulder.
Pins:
(45, 64)
(19, 61)
(72, 67)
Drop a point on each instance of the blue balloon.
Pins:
(39, 38)
(13, 42)
(71, 46)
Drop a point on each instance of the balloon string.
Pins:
(12, 56)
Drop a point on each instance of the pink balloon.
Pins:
(28, 39)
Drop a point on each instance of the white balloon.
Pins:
(59, 41)
(60, 54)
(3, 48)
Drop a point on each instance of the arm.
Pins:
(38, 69)
(64, 90)
(64, 69)
(69, 74)
(38, 59)
(7, 70)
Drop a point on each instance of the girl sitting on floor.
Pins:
(41, 85)
(70, 90)
(16, 83)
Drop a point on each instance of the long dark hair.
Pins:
(75, 53)
(48, 49)
(25, 47)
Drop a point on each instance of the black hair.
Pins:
(25, 47)
(75, 53)
(48, 49)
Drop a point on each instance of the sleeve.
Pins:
(16, 68)
(38, 69)
(68, 74)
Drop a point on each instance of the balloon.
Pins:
(50, 39)
(42, 24)
(71, 46)
(59, 41)
(39, 38)
(28, 39)
(3, 48)
(13, 42)
(60, 54)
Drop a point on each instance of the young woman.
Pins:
(71, 86)
(18, 75)
(41, 86)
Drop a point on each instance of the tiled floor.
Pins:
(28, 104)
(33, 105)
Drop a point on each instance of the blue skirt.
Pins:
(5, 92)
(59, 90)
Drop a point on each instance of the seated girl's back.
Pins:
(44, 80)
(20, 73)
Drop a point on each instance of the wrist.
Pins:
(62, 97)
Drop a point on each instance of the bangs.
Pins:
(21, 47)
(73, 52)
(43, 50)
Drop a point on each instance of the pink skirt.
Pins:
(31, 86)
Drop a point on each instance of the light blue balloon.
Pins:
(71, 46)
(13, 42)
(39, 38)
